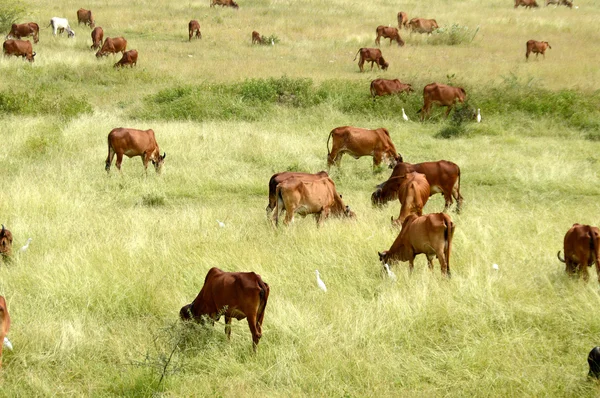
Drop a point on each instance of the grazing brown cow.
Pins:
(132, 142)
(280, 177)
(430, 234)
(86, 17)
(19, 48)
(4, 324)
(194, 26)
(318, 197)
(224, 3)
(526, 3)
(402, 20)
(256, 38)
(421, 25)
(411, 189)
(18, 31)
(381, 87)
(129, 58)
(582, 249)
(372, 55)
(6, 240)
(112, 46)
(536, 47)
(560, 3)
(97, 36)
(443, 177)
(441, 94)
(236, 295)
(358, 142)
(388, 33)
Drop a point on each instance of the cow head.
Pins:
(547, 44)
(70, 32)
(349, 213)
(234, 4)
(100, 54)
(594, 362)
(31, 58)
(384, 65)
(185, 313)
(383, 256)
(6, 240)
(159, 163)
(399, 40)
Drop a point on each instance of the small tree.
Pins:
(9, 14)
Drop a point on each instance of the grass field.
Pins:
(95, 300)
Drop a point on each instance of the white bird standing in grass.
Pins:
(221, 223)
(404, 116)
(7, 343)
(390, 273)
(320, 283)
(495, 266)
(478, 115)
(24, 248)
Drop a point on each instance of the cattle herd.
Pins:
(242, 295)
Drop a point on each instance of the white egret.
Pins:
(320, 282)
(478, 115)
(404, 116)
(221, 223)
(24, 248)
(7, 343)
(390, 273)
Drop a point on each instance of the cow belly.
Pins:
(237, 314)
(130, 153)
(435, 189)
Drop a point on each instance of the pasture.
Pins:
(95, 299)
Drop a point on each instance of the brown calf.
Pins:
(280, 177)
(129, 58)
(388, 33)
(582, 249)
(372, 55)
(358, 142)
(441, 94)
(536, 47)
(194, 26)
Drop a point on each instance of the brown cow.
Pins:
(381, 87)
(582, 249)
(97, 36)
(4, 325)
(560, 3)
(388, 33)
(236, 295)
(256, 38)
(19, 48)
(358, 142)
(86, 17)
(443, 177)
(194, 26)
(430, 234)
(280, 177)
(536, 47)
(132, 142)
(112, 46)
(402, 20)
(421, 25)
(526, 3)
(19, 31)
(224, 3)
(318, 197)
(441, 94)
(128, 58)
(411, 189)
(6, 240)
(372, 55)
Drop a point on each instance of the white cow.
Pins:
(60, 24)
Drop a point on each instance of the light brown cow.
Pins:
(358, 142)
(280, 177)
(85, 16)
(112, 46)
(132, 142)
(236, 295)
(194, 26)
(19, 48)
(582, 249)
(443, 177)
(526, 3)
(388, 33)
(536, 47)
(421, 25)
(560, 3)
(224, 3)
(256, 38)
(381, 87)
(411, 189)
(18, 31)
(402, 20)
(372, 55)
(97, 36)
(129, 58)
(430, 234)
(4, 324)
(6, 240)
(317, 197)
(441, 94)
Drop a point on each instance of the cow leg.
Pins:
(448, 200)
(377, 159)
(145, 160)
(411, 265)
(119, 160)
(228, 327)
(361, 63)
(443, 263)
(458, 197)
(322, 216)
(289, 216)
(377, 40)
(256, 334)
(448, 111)
(583, 272)
(191, 33)
(430, 261)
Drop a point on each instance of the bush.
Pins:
(453, 35)
(10, 14)
(26, 104)
(269, 40)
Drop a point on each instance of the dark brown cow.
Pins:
(560, 3)
(4, 324)
(6, 240)
(526, 3)
(132, 142)
(358, 142)
(256, 38)
(97, 36)
(85, 17)
(236, 295)
(441, 94)
(411, 189)
(372, 55)
(388, 33)
(112, 46)
(280, 177)
(536, 47)
(18, 31)
(594, 363)
(443, 177)
(402, 20)
(224, 3)
(381, 87)
(318, 197)
(582, 249)
(19, 48)
(421, 25)
(129, 58)
(194, 26)
(430, 234)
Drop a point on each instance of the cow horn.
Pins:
(164, 155)
(562, 260)
(34, 53)
(2, 232)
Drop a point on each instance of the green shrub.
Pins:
(269, 40)
(453, 35)
(10, 13)
(26, 104)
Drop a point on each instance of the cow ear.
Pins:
(380, 256)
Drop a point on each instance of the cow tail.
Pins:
(264, 296)
(108, 162)
(272, 191)
(356, 54)
(594, 249)
(329, 138)
(372, 91)
(448, 234)
(279, 204)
